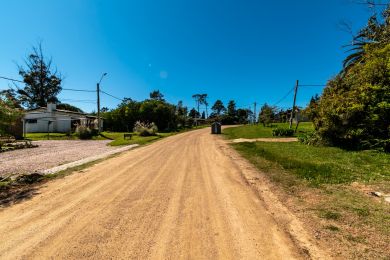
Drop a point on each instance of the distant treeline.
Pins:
(169, 117)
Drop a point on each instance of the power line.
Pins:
(79, 100)
(285, 96)
(66, 89)
(312, 85)
(120, 99)
(16, 80)
(78, 90)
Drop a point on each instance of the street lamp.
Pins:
(98, 100)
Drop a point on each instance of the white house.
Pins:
(53, 120)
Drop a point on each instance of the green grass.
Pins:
(320, 165)
(259, 131)
(116, 137)
(317, 165)
(135, 139)
(328, 184)
(51, 136)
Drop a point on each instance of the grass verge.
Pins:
(50, 136)
(259, 131)
(328, 188)
(322, 165)
(118, 138)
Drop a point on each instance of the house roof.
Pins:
(44, 109)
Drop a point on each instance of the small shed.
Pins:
(216, 128)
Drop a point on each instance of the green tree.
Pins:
(375, 34)
(311, 111)
(193, 113)
(197, 98)
(218, 108)
(242, 116)
(354, 110)
(42, 82)
(203, 101)
(231, 108)
(69, 107)
(9, 113)
(156, 95)
(182, 112)
(267, 114)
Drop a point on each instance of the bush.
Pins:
(85, 133)
(282, 132)
(145, 129)
(354, 110)
(311, 139)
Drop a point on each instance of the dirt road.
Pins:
(181, 197)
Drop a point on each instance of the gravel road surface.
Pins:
(179, 198)
(49, 154)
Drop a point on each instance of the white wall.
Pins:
(61, 124)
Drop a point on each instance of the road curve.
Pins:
(178, 198)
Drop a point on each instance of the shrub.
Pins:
(354, 110)
(282, 132)
(85, 133)
(145, 129)
(311, 138)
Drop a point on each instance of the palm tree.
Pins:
(375, 33)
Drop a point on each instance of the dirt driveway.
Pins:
(179, 198)
(49, 154)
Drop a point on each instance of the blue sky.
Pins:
(246, 50)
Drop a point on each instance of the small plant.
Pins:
(332, 228)
(85, 133)
(282, 132)
(330, 215)
(145, 129)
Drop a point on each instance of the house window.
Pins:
(31, 121)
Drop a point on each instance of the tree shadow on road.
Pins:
(17, 193)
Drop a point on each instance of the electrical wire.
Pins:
(311, 85)
(16, 80)
(78, 90)
(284, 97)
(79, 100)
(120, 99)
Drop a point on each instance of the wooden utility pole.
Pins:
(98, 105)
(293, 107)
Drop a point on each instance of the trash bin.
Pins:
(216, 128)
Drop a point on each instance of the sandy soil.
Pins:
(180, 198)
(49, 154)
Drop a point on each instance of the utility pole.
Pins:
(250, 118)
(98, 105)
(293, 107)
(98, 100)
(254, 114)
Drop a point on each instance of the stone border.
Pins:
(87, 160)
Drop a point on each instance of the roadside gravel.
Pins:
(50, 154)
